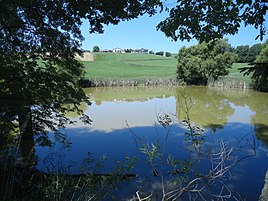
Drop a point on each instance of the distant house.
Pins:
(142, 50)
(105, 50)
(118, 50)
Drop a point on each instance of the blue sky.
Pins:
(142, 33)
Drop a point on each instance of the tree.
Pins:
(39, 73)
(259, 70)
(248, 54)
(254, 51)
(96, 49)
(203, 62)
(242, 51)
(168, 54)
(161, 53)
(209, 19)
(128, 50)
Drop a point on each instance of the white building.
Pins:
(142, 50)
(118, 50)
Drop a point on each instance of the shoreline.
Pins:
(113, 82)
(126, 82)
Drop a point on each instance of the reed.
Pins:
(100, 82)
(230, 83)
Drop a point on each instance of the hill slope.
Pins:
(130, 65)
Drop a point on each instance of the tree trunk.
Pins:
(25, 122)
(27, 136)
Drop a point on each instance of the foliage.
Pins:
(263, 56)
(259, 70)
(161, 53)
(203, 175)
(168, 54)
(242, 52)
(203, 62)
(128, 50)
(248, 54)
(254, 51)
(205, 20)
(39, 40)
(96, 49)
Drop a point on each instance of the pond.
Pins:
(177, 133)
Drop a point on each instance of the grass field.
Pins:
(236, 75)
(129, 65)
(118, 65)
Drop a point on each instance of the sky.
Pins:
(141, 33)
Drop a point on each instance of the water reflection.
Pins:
(211, 108)
(206, 108)
(229, 114)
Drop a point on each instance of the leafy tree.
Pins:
(39, 74)
(259, 70)
(248, 54)
(209, 19)
(161, 53)
(242, 51)
(128, 50)
(203, 62)
(168, 54)
(151, 52)
(263, 56)
(96, 48)
(254, 51)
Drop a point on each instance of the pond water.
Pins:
(130, 121)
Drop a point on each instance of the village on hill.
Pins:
(120, 50)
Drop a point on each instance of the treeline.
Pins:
(161, 53)
(248, 54)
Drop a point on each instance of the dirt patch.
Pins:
(87, 56)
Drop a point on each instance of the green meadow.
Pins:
(236, 75)
(131, 65)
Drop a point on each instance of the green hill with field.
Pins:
(140, 66)
(130, 65)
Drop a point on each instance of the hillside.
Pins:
(130, 65)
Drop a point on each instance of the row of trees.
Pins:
(258, 70)
(248, 54)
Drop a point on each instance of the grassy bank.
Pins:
(117, 69)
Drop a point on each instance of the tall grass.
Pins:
(100, 82)
(230, 83)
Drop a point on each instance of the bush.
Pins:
(204, 62)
